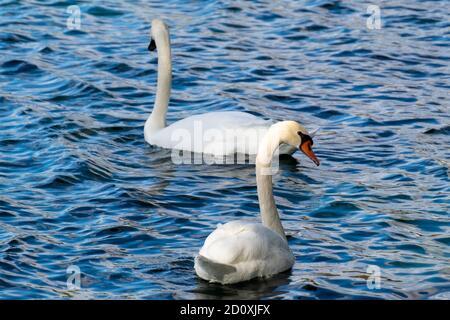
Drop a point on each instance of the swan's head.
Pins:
(159, 31)
(294, 134)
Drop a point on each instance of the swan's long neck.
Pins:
(269, 213)
(157, 120)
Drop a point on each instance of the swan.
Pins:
(216, 133)
(240, 250)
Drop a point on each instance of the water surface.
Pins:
(79, 185)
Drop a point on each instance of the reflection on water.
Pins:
(254, 289)
(79, 185)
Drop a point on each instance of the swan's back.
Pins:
(221, 133)
(239, 251)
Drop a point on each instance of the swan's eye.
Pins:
(305, 138)
(152, 45)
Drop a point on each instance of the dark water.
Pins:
(79, 185)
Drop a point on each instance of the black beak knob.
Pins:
(152, 45)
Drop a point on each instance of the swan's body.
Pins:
(239, 250)
(217, 133)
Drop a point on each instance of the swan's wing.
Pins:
(239, 241)
(227, 120)
(239, 251)
(220, 121)
(217, 271)
(220, 133)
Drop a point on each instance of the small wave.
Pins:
(46, 50)
(100, 11)
(336, 7)
(13, 67)
(443, 130)
(114, 231)
(15, 38)
(336, 209)
(59, 181)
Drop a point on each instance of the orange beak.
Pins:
(306, 149)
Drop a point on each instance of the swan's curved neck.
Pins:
(157, 120)
(269, 213)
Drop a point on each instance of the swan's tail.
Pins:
(212, 271)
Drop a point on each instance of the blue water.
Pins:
(80, 187)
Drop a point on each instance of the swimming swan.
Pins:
(215, 133)
(239, 250)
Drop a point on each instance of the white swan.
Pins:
(238, 250)
(216, 133)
